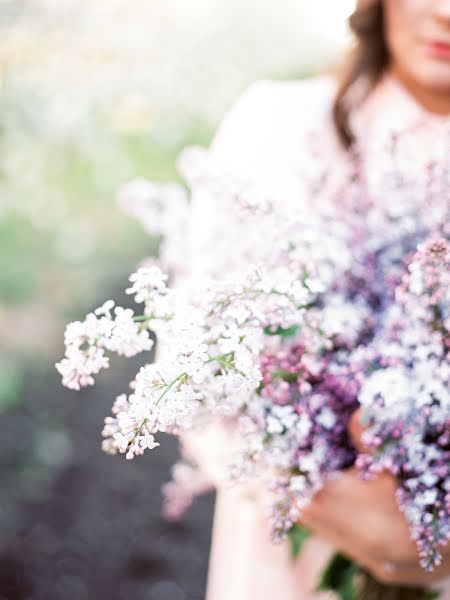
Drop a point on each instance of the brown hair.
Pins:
(367, 61)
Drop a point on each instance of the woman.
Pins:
(398, 78)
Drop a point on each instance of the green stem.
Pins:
(253, 293)
(145, 318)
(168, 388)
(142, 318)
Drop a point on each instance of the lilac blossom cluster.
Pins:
(215, 348)
(109, 328)
(316, 317)
(212, 348)
(209, 348)
(405, 398)
(296, 426)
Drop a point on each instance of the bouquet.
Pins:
(316, 318)
(266, 349)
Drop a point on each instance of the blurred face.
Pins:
(418, 38)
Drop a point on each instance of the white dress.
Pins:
(266, 136)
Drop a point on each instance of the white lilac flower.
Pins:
(87, 341)
(149, 286)
(160, 207)
(79, 366)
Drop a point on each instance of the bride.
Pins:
(282, 133)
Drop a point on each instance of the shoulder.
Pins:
(313, 92)
(270, 114)
(271, 96)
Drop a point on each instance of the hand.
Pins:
(362, 519)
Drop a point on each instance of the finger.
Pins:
(381, 569)
(445, 550)
(356, 429)
(346, 503)
(334, 514)
(409, 575)
(347, 492)
(340, 541)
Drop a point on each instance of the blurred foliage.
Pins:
(11, 381)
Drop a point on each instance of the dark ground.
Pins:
(77, 524)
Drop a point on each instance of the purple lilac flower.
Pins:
(406, 399)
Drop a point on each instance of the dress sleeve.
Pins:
(239, 139)
(273, 120)
(237, 150)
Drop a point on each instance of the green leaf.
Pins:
(338, 577)
(285, 333)
(297, 536)
(11, 382)
(285, 375)
(431, 595)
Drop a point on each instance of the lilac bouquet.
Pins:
(266, 348)
(316, 318)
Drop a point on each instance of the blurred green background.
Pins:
(96, 92)
(92, 94)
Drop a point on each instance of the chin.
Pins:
(435, 76)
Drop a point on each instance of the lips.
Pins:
(439, 49)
